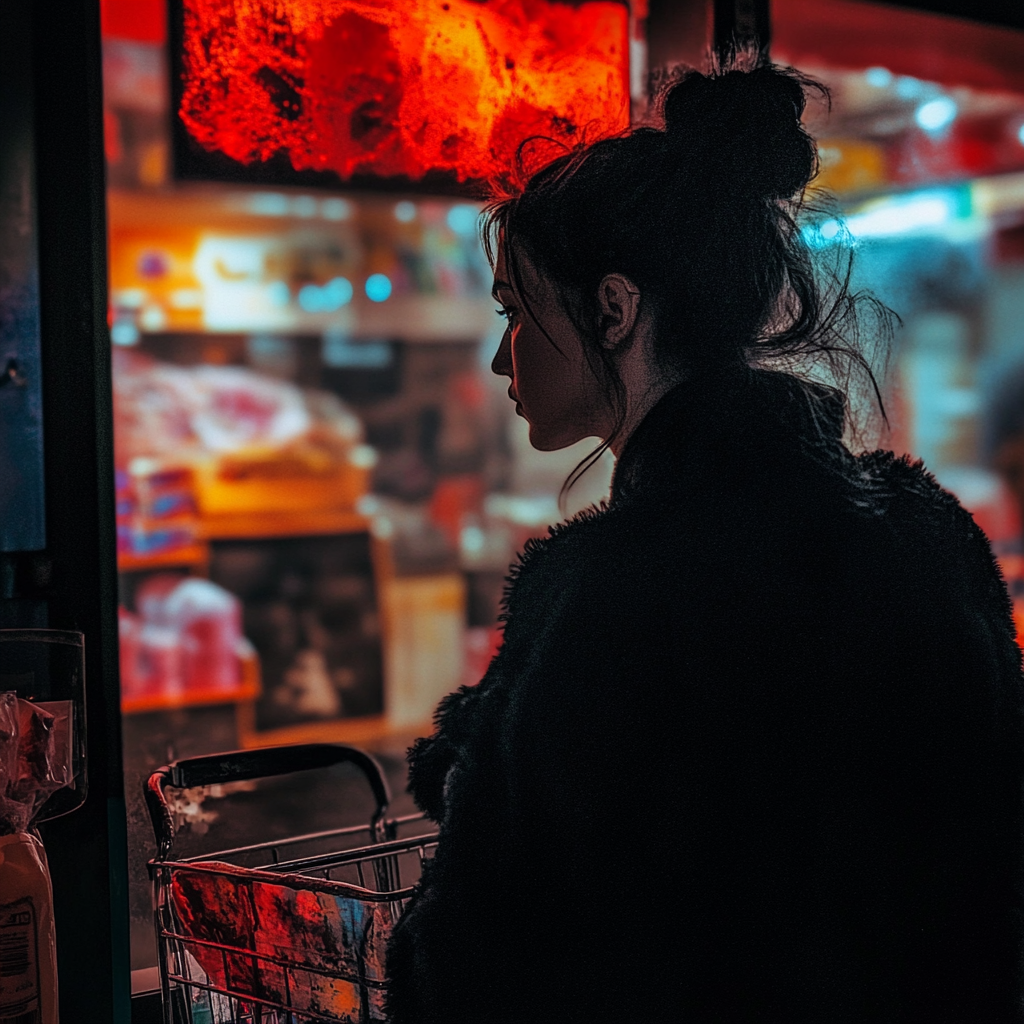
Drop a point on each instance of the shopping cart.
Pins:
(285, 932)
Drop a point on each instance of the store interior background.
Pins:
(306, 419)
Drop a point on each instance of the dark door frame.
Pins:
(77, 574)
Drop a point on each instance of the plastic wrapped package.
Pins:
(34, 781)
(36, 759)
(11, 816)
(315, 951)
(230, 436)
(209, 621)
(60, 760)
(186, 637)
(232, 408)
(158, 667)
(151, 597)
(160, 661)
(192, 411)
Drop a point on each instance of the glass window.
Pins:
(320, 484)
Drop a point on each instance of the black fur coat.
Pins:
(752, 749)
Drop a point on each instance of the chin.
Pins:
(548, 441)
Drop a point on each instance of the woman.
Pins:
(752, 747)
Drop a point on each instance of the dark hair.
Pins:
(700, 211)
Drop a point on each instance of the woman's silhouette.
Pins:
(752, 749)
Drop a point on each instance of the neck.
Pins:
(638, 405)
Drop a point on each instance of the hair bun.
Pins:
(743, 128)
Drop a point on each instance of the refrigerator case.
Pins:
(22, 514)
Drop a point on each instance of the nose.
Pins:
(501, 364)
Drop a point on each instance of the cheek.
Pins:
(555, 388)
(541, 372)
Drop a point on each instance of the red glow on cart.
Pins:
(400, 87)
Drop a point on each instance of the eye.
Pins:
(507, 313)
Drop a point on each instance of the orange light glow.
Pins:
(400, 87)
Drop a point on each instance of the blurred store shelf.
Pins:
(248, 689)
(193, 556)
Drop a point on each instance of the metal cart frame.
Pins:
(376, 853)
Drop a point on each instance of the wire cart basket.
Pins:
(286, 932)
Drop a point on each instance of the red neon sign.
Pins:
(400, 87)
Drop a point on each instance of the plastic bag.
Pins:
(36, 749)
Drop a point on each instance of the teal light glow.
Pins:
(378, 287)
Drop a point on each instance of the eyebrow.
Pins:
(498, 285)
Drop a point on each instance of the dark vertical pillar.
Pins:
(687, 31)
(87, 849)
(679, 32)
(740, 23)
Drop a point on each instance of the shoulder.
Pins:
(547, 566)
(900, 480)
(929, 526)
(900, 491)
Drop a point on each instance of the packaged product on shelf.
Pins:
(151, 597)
(186, 638)
(124, 509)
(159, 668)
(207, 440)
(193, 411)
(156, 509)
(209, 621)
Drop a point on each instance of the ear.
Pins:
(619, 304)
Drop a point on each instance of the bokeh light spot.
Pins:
(936, 114)
(336, 209)
(326, 298)
(462, 219)
(405, 211)
(378, 287)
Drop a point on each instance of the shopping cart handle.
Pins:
(242, 765)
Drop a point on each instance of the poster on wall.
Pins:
(22, 524)
(434, 93)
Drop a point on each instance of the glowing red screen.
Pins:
(400, 87)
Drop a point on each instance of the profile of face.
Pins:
(553, 383)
